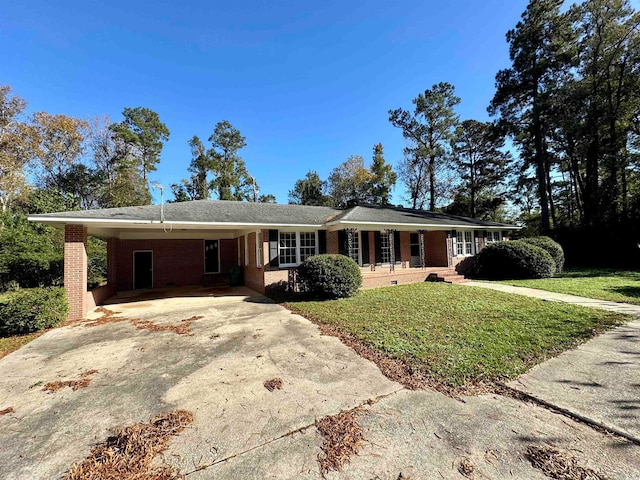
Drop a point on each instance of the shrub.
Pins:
(551, 246)
(329, 276)
(27, 311)
(513, 260)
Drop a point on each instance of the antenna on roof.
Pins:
(160, 187)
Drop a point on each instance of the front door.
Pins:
(142, 270)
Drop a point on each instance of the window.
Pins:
(288, 248)
(385, 248)
(307, 245)
(258, 249)
(211, 256)
(296, 247)
(464, 243)
(246, 250)
(468, 238)
(493, 237)
(355, 247)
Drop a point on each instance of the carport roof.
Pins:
(238, 214)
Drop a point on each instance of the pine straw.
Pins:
(129, 453)
(466, 468)
(82, 382)
(6, 411)
(559, 465)
(109, 316)
(343, 438)
(273, 384)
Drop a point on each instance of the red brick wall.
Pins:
(435, 247)
(332, 242)
(175, 262)
(75, 270)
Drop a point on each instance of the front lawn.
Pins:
(603, 284)
(456, 334)
(11, 344)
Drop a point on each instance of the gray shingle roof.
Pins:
(397, 215)
(238, 213)
(210, 211)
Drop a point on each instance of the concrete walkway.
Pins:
(598, 381)
(561, 297)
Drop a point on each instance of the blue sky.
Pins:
(307, 83)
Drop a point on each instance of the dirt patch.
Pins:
(6, 411)
(556, 464)
(129, 453)
(109, 316)
(83, 381)
(273, 384)
(343, 438)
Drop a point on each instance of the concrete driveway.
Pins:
(242, 430)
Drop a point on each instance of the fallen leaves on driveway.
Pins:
(559, 465)
(82, 382)
(129, 453)
(6, 411)
(273, 384)
(343, 438)
(109, 316)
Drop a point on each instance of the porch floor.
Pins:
(402, 276)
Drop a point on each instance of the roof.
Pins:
(237, 214)
(399, 216)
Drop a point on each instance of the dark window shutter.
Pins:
(396, 246)
(342, 242)
(364, 241)
(322, 241)
(274, 261)
(378, 247)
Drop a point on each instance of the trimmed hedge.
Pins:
(27, 311)
(329, 276)
(551, 246)
(513, 260)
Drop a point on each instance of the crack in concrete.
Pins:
(595, 425)
(290, 433)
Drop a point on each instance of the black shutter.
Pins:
(364, 247)
(322, 241)
(396, 246)
(274, 261)
(378, 247)
(342, 242)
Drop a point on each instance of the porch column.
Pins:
(392, 251)
(75, 270)
(449, 250)
(423, 262)
(350, 233)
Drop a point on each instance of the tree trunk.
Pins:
(432, 183)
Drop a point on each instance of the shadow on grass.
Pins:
(599, 272)
(633, 292)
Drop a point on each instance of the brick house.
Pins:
(198, 243)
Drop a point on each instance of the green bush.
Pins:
(27, 311)
(329, 276)
(513, 260)
(551, 246)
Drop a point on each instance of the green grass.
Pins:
(460, 334)
(603, 284)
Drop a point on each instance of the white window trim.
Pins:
(246, 250)
(259, 249)
(285, 265)
(464, 243)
